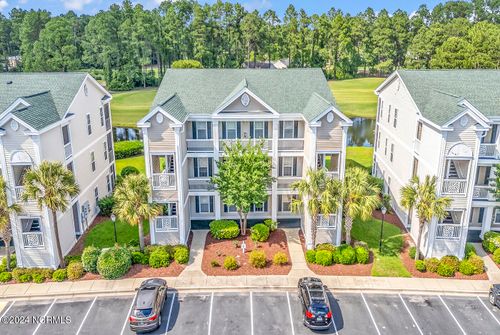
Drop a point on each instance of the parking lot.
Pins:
(255, 313)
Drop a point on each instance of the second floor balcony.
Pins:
(163, 172)
(163, 181)
(456, 177)
(488, 150)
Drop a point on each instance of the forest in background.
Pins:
(128, 46)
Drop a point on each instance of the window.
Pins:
(229, 208)
(105, 150)
(381, 109)
(385, 147)
(96, 196)
(68, 151)
(287, 166)
(108, 183)
(392, 151)
(202, 130)
(231, 130)
(497, 216)
(101, 114)
(415, 168)
(259, 207)
(202, 167)
(389, 115)
(288, 129)
(378, 139)
(329, 161)
(285, 202)
(204, 204)
(89, 125)
(395, 122)
(112, 175)
(92, 160)
(258, 129)
(32, 233)
(419, 130)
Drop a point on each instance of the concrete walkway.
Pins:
(491, 268)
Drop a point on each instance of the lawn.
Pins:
(386, 263)
(136, 161)
(355, 97)
(102, 235)
(359, 156)
(129, 107)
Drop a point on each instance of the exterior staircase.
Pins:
(452, 171)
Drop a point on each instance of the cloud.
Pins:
(257, 5)
(3, 4)
(23, 2)
(76, 4)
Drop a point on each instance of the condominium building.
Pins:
(196, 111)
(442, 123)
(62, 117)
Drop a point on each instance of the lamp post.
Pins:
(383, 210)
(113, 218)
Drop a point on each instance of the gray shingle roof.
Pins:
(437, 92)
(49, 94)
(202, 91)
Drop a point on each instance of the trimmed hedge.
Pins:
(324, 257)
(90, 256)
(325, 246)
(420, 265)
(311, 256)
(230, 263)
(491, 241)
(466, 268)
(3, 263)
(72, 258)
(469, 250)
(412, 252)
(280, 258)
(5, 277)
(451, 261)
(75, 270)
(259, 232)
(160, 257)
(224, 229)
(445, 270)
(362, 255)
(23, 275)
(181, 254)
(114, 262)
(272, 225)
(432, 264)
(478, 264)
(128, 170)
(496, 256)
(139, 258)
(38, 278)
(344, 254)
(258, 259)
(125, 149)
(60, 275)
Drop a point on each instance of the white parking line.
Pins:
(370, 312)
(408, 310)
(453, 316)
(290, 312)
(128, 315)
(4, 313)
(86, 315)
(251, 313)
(210, 314)
(170, 312)
(489, 310)
(47, 312)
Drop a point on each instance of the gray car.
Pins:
(148, 304)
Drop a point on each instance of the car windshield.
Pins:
(142, 313)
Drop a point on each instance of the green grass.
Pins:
(359, 156)
(355, 97)
(386, 263)
(102, 235)
(129, 107)
(136, 161)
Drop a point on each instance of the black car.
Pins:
(495, 295)
(315, 304)
(148, 304)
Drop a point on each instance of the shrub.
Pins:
(38, 278)
(128, 170)
(469, 250)
(75, 270)
(420, 265)
(344, 254)
(466, 268)
(325, 246)
(362, 255)
(160, 257)
(181, 254)
(186, 64)
(478, 264)
(259, 232)
(60, 275)
(361, 244)
(114, 262)
(431, 264)
(25, 278)
(491, 241)
(412, 252)
(214, 263)
(496, 256)
(272, 225)
(139, 258)
(125, 149)
(451, 261)
(46, 273)
(106, 205)
(324, 257)
(258, 258)
(18, 272)
(3, 264)
(224, 229)
(311, 256)
(230, 263)
(280, 258)
(90, 256)
(5, 277)
(445, 270)
(72, 258)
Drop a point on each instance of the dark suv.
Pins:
(148, 303)
(495, 295)
(315, 304)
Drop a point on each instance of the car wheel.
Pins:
(492, 298)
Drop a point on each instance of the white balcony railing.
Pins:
(19, 192)
(286, 182)
(268, 143)
(448, 231)
(166, 224)
(481, 192)
(327, 221)
(199, 183)
(163, 181)
(291, 144)
(454, 186)
(200, 145)
(33, 239)
(332, 174)
(488, 150)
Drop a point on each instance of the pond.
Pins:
(361, 134)
(126, 134)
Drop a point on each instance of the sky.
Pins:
(311, 6)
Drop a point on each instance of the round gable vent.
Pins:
(464, 120)
(245, 100)
(159, 117)
(14, 125)
(329, 117)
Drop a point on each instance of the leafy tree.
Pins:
(51, 185)
(132, 202)
(243, 177)
(454, 53)
(187, 64)
(5, 211)
(422, 197)
(31, 26)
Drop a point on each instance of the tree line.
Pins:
(132, 46)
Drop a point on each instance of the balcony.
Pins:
(199, 183)
(481, 192)
(455, 186)
(327, 221)
(286, 182)
(19, 192)
(166, 224)
(332, 174)
(448, 231)
(488, 150)
(33, 239)
(268, 143)
(200, 145)
(163, 181)
(291, 144)
(68, 150)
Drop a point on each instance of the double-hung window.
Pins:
(105, 150)
(389, 115)
(96, 197)
(392, 151)
(385, 148)
(288, 129)
(89, 125)
(329, 161)
(101, 114)
(286, 202)
(204, 204)
(92, 161)
(419, 130)
(231, 130)
(258, 129)
(287, 166)
(201, 130)
(395, 122)
(202, 167)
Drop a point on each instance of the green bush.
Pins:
(5, 277)
(491, 241)
(60, 275)
(139, 258)
(72, 258)
(362, 255)
(420, 265)
(128, 170)
(18, 272)
(272, 225)
(258, 259)
(3, 263)
(214, 263)
(432, 264)
(46, 273)
(25, 278)
(90, 256)
(361, 244)
(160, 257)
(445, 270)
(181, 254)
(325, 246)
(466, 268)
(114, 262)
(230, 263)
(478, 264)
(469, 250)
(496, 256)
(38, 278)
(259, 232)
(224, 229)
(106, 205)
(451, 261)
(324, 257)
(412, 252)
(280, 258)
(75, 270)
(344, 254)
(125, 149)
(311, 256)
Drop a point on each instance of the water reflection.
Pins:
(126, 134)
(361, 134)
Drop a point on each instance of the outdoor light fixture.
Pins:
(113, 218)
(383, 210)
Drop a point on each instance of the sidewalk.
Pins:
(492, 269)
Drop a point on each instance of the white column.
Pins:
(147, 157)
(487, 219)
(215, 135)
(180, 184)
(338, 237)
(274, 170)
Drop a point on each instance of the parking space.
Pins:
(259, 313)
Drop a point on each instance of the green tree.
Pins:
(187, 64)
(132, 202)
(31, 26)
(454, 53)
(51, 185)
(5, 211)
(243, 177)
(422, 197)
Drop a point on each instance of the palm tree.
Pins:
(423, 198)
(320, 194)
(360, 197)
(51, 185)
(5, 211)
(132, 202)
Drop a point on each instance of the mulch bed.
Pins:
(338, 269)
(219, 249)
